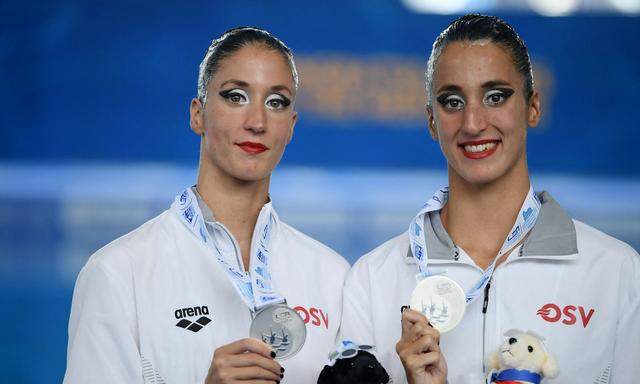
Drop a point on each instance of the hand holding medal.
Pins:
(241, 360)
(438, 303)
(419, 350)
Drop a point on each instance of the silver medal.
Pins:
(441, 300)
(280, 327)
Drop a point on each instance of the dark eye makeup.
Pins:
(493, 97)
(442, 99)
(285, 101)
(231, 93)
(506, 92)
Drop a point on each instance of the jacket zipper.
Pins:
(236, 248)
(485, 304)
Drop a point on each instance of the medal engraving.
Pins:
(441, 300)
(281, 328)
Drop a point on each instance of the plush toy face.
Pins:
(524, 351)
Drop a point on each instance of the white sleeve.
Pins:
(357, 313)
(626, 359)
(103, 342)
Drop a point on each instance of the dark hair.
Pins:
(474, 27)
(230, 42)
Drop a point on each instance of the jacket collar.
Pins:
(210, 219)
(553, 236)
(207, 214)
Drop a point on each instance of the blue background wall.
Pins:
(112, 82)
(94, 135)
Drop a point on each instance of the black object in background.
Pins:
(362, 368)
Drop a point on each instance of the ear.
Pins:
(432, 123)
(534, 112)
(513, 332)
(550, 367)
(494, 361)
(293, 124)
(196, 119)
(535, 335)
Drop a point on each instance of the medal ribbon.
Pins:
(255, 289)
(524, 222)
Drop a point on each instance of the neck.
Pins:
(234, 203)
(478, 217)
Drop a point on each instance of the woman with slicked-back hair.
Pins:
(487, 254)
(217, 289)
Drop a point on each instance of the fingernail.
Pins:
(281, 369)
(273, 354)
(429, 324)
(281, 375)
(403, 308)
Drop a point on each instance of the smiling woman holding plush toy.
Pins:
(490, 253)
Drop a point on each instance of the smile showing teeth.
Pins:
(480, 147)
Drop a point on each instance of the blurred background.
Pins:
(94, 134)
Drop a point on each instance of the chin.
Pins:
(477, 176)
(483, 174)
(251, 175)
(249, 178)
(482, 179)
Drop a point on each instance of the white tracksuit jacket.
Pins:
(132, 293)
(573, 285)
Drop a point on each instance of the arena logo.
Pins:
(195, 311)
(193, 326)
(553, 313)
(313, 315)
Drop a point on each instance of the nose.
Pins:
(513, 340)
(473, 119)
(256, 119)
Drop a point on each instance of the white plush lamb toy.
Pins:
(522, 358)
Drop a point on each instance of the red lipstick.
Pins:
(490, 146)
(251, 147)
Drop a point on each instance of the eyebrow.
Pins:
(240, 83)
(495, 83)
(449, 88)
(487, 85)
(277, 88)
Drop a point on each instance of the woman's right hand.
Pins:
(247, 361)
(419, 350)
